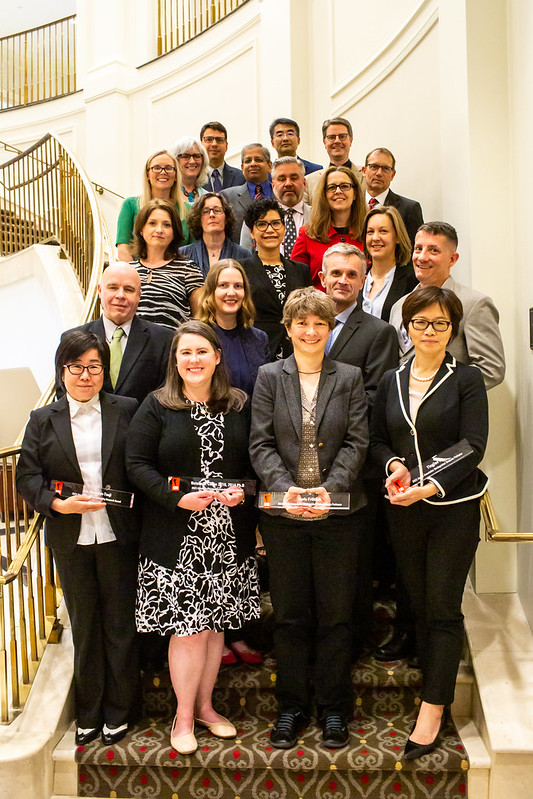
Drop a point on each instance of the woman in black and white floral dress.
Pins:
(272, 276)
(197, 573)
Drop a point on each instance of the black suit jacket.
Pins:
(369, 343)
(231, 176)
(403, 282)
(410, 211)
(48, 453)
(144, 362)
(454, 407)
(269, 310)
(341, 428)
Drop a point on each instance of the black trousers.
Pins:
(434, 547)
(99, 584)
(313, 572)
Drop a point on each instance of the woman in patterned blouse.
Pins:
(272, 276)
(169, 283)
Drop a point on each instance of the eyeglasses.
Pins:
(215, 211)
(281, 133)
(263, 225)
(215, 139)
(78, 369)
(190, 157)
(330, 137)
(168, 170)
(331, 188)
(375, 167)
(438, 325)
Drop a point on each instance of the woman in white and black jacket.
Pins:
(427, 405)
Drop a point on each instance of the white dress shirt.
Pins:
(375, 305)
(380, 198)
(110, 328)
(86, 425)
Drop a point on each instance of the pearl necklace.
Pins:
(422, 379)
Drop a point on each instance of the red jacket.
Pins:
(310, 251)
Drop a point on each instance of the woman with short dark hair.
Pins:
(197, 571)
(428, 405)
(211, 222)
(71, 449)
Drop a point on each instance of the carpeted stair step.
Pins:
(386, 696)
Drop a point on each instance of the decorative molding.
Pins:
(350, 91)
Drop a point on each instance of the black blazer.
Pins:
(48, 453)
(454, 407)
(163, 443)
(269, 310)
(403, 282)
(231, 176)
(144, 363)
(369, 343)
(410, 211)
(341, 428)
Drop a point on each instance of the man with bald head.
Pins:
(139, 349)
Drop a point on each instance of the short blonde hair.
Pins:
(302, 302)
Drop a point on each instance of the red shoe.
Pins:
(228, 660)
(247, 655)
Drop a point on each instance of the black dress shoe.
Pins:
(285, 731)
(400, 646)
(85, 736)
(335, 732)
(112, 734)
(413, 750)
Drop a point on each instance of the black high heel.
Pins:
(413, 750)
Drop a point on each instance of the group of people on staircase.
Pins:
(232, 393)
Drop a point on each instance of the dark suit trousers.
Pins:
(434, 547)
(313, 572)
(99, 585)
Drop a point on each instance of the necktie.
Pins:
(290, 232)
(258, 191)
(217, 183)
(115, 348)
(331, 338)
(371, 203)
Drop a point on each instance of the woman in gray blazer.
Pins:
(309, 436)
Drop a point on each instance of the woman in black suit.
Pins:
(272, 276)
(309, 435)
(388, 247)
(197, 571)
(429, 404)
(81, 439)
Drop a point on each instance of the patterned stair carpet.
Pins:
(144, 765)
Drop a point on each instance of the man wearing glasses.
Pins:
(478, 342)
(379, 171)
(285, 139)
(337, 135)
(256, 166)
(214, 137)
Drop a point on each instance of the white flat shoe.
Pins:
(220, 729)
(183, 744)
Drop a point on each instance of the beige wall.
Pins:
(430, 80)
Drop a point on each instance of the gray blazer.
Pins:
(341, 428)
(478, 342)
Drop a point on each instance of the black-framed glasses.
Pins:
(191, 157)
(78, 369)
(331, 188)
(330, 137)
(216, 139)
(263, 225)
(383, 167)
(215, 211)
(168, 170)
(438, 325)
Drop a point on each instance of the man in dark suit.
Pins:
(285, 139)
(256, 166)
(144, 346)
(214, 137)
(337, 135)
(379, 171)
(368, 342)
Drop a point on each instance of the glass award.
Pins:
(111, 496)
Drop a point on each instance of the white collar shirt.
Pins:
(375, 305)
(110, 328)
